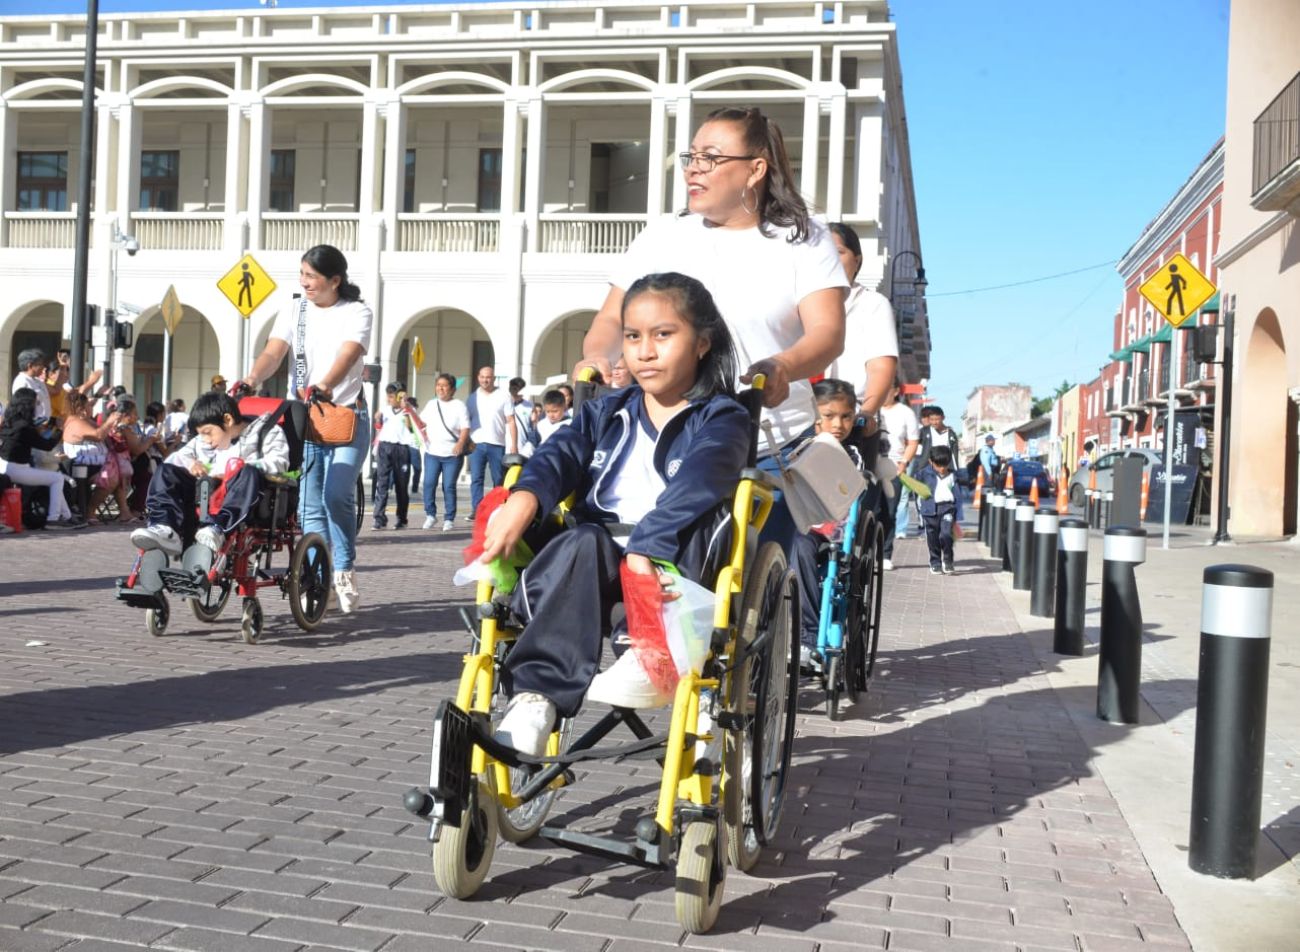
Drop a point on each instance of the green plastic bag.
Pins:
(918, 488)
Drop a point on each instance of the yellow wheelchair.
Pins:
(725, 755)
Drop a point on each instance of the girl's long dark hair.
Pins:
(847, 235)
(716, 373)
(20, 412)
(780, 203)
(328, 261)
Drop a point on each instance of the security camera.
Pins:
(131, 245)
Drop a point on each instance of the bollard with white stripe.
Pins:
(1107, 498)
(1042, 584)
(1071, 586)
(1008, 529)
(996, 502)
(983, 534)
(1231, 708)
(1023, 552)
(1119, 671)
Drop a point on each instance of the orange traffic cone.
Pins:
(979, 486)
(1062, 495)
(1033, 494)
(1146, 493)
(1010, 484)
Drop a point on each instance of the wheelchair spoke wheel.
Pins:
(156, 619)
(875, 602)
(463, 855)
(835, 684)
(520, 824)
(701, 876)
(361, 502)
(207, 608)
(250, 623)
(308, 582)
(863, 628)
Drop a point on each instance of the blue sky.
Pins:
(1044, 136)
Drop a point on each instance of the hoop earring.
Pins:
(748, 210)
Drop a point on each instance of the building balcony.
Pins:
(449, 233)
(284, 231)
(178, 231)
(588, 234)
(1275, 180)
(40, 229)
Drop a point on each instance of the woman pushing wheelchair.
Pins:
(652, 467)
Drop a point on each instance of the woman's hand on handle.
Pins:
(507, 525)
(777, 388)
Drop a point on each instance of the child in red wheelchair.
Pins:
(652, 466)
(230, 450)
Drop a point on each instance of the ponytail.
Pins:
(781, 204)
(328, 261)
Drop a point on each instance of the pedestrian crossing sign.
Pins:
(246, 285)
(1177, 290)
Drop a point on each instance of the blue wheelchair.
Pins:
(848, 629)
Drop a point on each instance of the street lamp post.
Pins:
(918, 283)
(131, 245)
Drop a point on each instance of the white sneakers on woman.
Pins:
(345, 588)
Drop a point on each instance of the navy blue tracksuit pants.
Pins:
(938, 533)
(172, 493)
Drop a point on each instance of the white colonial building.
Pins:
(479, 164)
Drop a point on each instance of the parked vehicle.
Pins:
(1023, 474)
(1104, 467)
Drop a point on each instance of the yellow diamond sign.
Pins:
(246, 285)
(1177, 290)
(417, 354)
(171, 310)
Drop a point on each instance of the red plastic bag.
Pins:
(218, 497)
(643, 598)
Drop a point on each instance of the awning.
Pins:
(1142, 346)
(1123, 355)
(1164, 335)
(1212, 305)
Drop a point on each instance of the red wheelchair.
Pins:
(244, 564)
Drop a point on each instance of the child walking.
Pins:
(942, 510)
(652, 466)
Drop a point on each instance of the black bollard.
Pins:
(1119, 672)
(1231, 704)
(1071, 586)
(1008, 528)
(996, 502)
(1023, 553)
(983, 532)
(1094, 509)
(1042, 585)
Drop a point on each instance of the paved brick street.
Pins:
(195, 793)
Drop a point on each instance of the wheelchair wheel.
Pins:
(156, 619)
(768, 682)
(462, 855)
(868, 585)
(839, 681)
(520, 824)
(251, 621)
(701, 876)
(308, 581)
(361, 502)
(207, 608)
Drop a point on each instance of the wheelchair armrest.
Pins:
(513, 459)
(760, 476)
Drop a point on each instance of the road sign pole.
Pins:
(1169, 459)
(167, 367)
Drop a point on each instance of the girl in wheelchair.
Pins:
(837, 408)
(651, 467)
(229, 449)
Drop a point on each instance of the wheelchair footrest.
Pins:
(453, 745)
(185, 583)
(138, 598)
(609, 848)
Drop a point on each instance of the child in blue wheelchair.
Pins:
(651, 466)
(837, 407)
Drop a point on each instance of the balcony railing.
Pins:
(1191, 371)
(40, 229)
(178, 231)
(1166, 357)
(476, 233)
(1275, 179)
(298, 232)
(588, 234)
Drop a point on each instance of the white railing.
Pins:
(178, 231)
(588, 234)
(40, 229)
(460, 233)
(298, 232)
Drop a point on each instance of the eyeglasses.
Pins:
(707, 161)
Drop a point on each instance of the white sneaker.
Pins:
(625, 684)
(448, 526)
(429, 522)
(157, 537)
(527, 723)
(889, 565)
(345, 584)
(210, 536)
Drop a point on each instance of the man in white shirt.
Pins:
(392, 459)
(447, 431)
(492, 424)
(32, 365)
(904, 435)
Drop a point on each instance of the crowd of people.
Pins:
(745, 281)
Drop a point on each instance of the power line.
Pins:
(1016, 284)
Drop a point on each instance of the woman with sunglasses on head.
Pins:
(747, 235)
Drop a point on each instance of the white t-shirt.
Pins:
(868, 333)
(25, 381)
(637, 485)
(757, 283)
(545, 428)
(900, 423)
(176, 423)
(328, 329)
(442, 443)
(393, 428)
(492, 409)
(523, 412)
